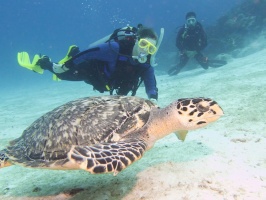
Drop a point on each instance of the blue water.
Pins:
(218, 160)
(50, 27)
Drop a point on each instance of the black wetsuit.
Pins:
(191, 39)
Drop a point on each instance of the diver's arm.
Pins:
(204, 39)
(202, 43)
(150, 83)
(180, 39)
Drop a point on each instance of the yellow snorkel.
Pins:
(152, 61)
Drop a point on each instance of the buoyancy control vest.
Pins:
(128, 74)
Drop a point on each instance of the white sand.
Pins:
(225, 160)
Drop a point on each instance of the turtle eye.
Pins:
(203, 107)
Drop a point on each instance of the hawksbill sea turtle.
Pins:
(104, 134)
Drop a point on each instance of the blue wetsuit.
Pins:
(109, 66)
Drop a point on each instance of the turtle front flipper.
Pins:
(107, 157)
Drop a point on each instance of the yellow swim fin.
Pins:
(67, 57)
(24, 61)
(55, 78)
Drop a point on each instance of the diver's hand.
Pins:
(153, 98)
(154, 101)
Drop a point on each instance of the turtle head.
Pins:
(4, 162)
(194, 113)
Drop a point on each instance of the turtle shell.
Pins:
(85, 121)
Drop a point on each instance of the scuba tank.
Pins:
(124, 33)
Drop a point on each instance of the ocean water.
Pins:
(50, 27)
(225, 160)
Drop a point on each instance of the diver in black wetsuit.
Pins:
(191, 40)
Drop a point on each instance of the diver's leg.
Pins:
(202, 60)
(61, 66)
(183, 59)
(45, 63)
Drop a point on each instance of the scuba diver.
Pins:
(120, 64)
(190, 41)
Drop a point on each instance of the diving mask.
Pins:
(147, 46)
(191, 21)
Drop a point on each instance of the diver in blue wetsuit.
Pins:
(118, 65)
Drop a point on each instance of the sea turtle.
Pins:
(104, 134)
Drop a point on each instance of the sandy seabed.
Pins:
(226, 160)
